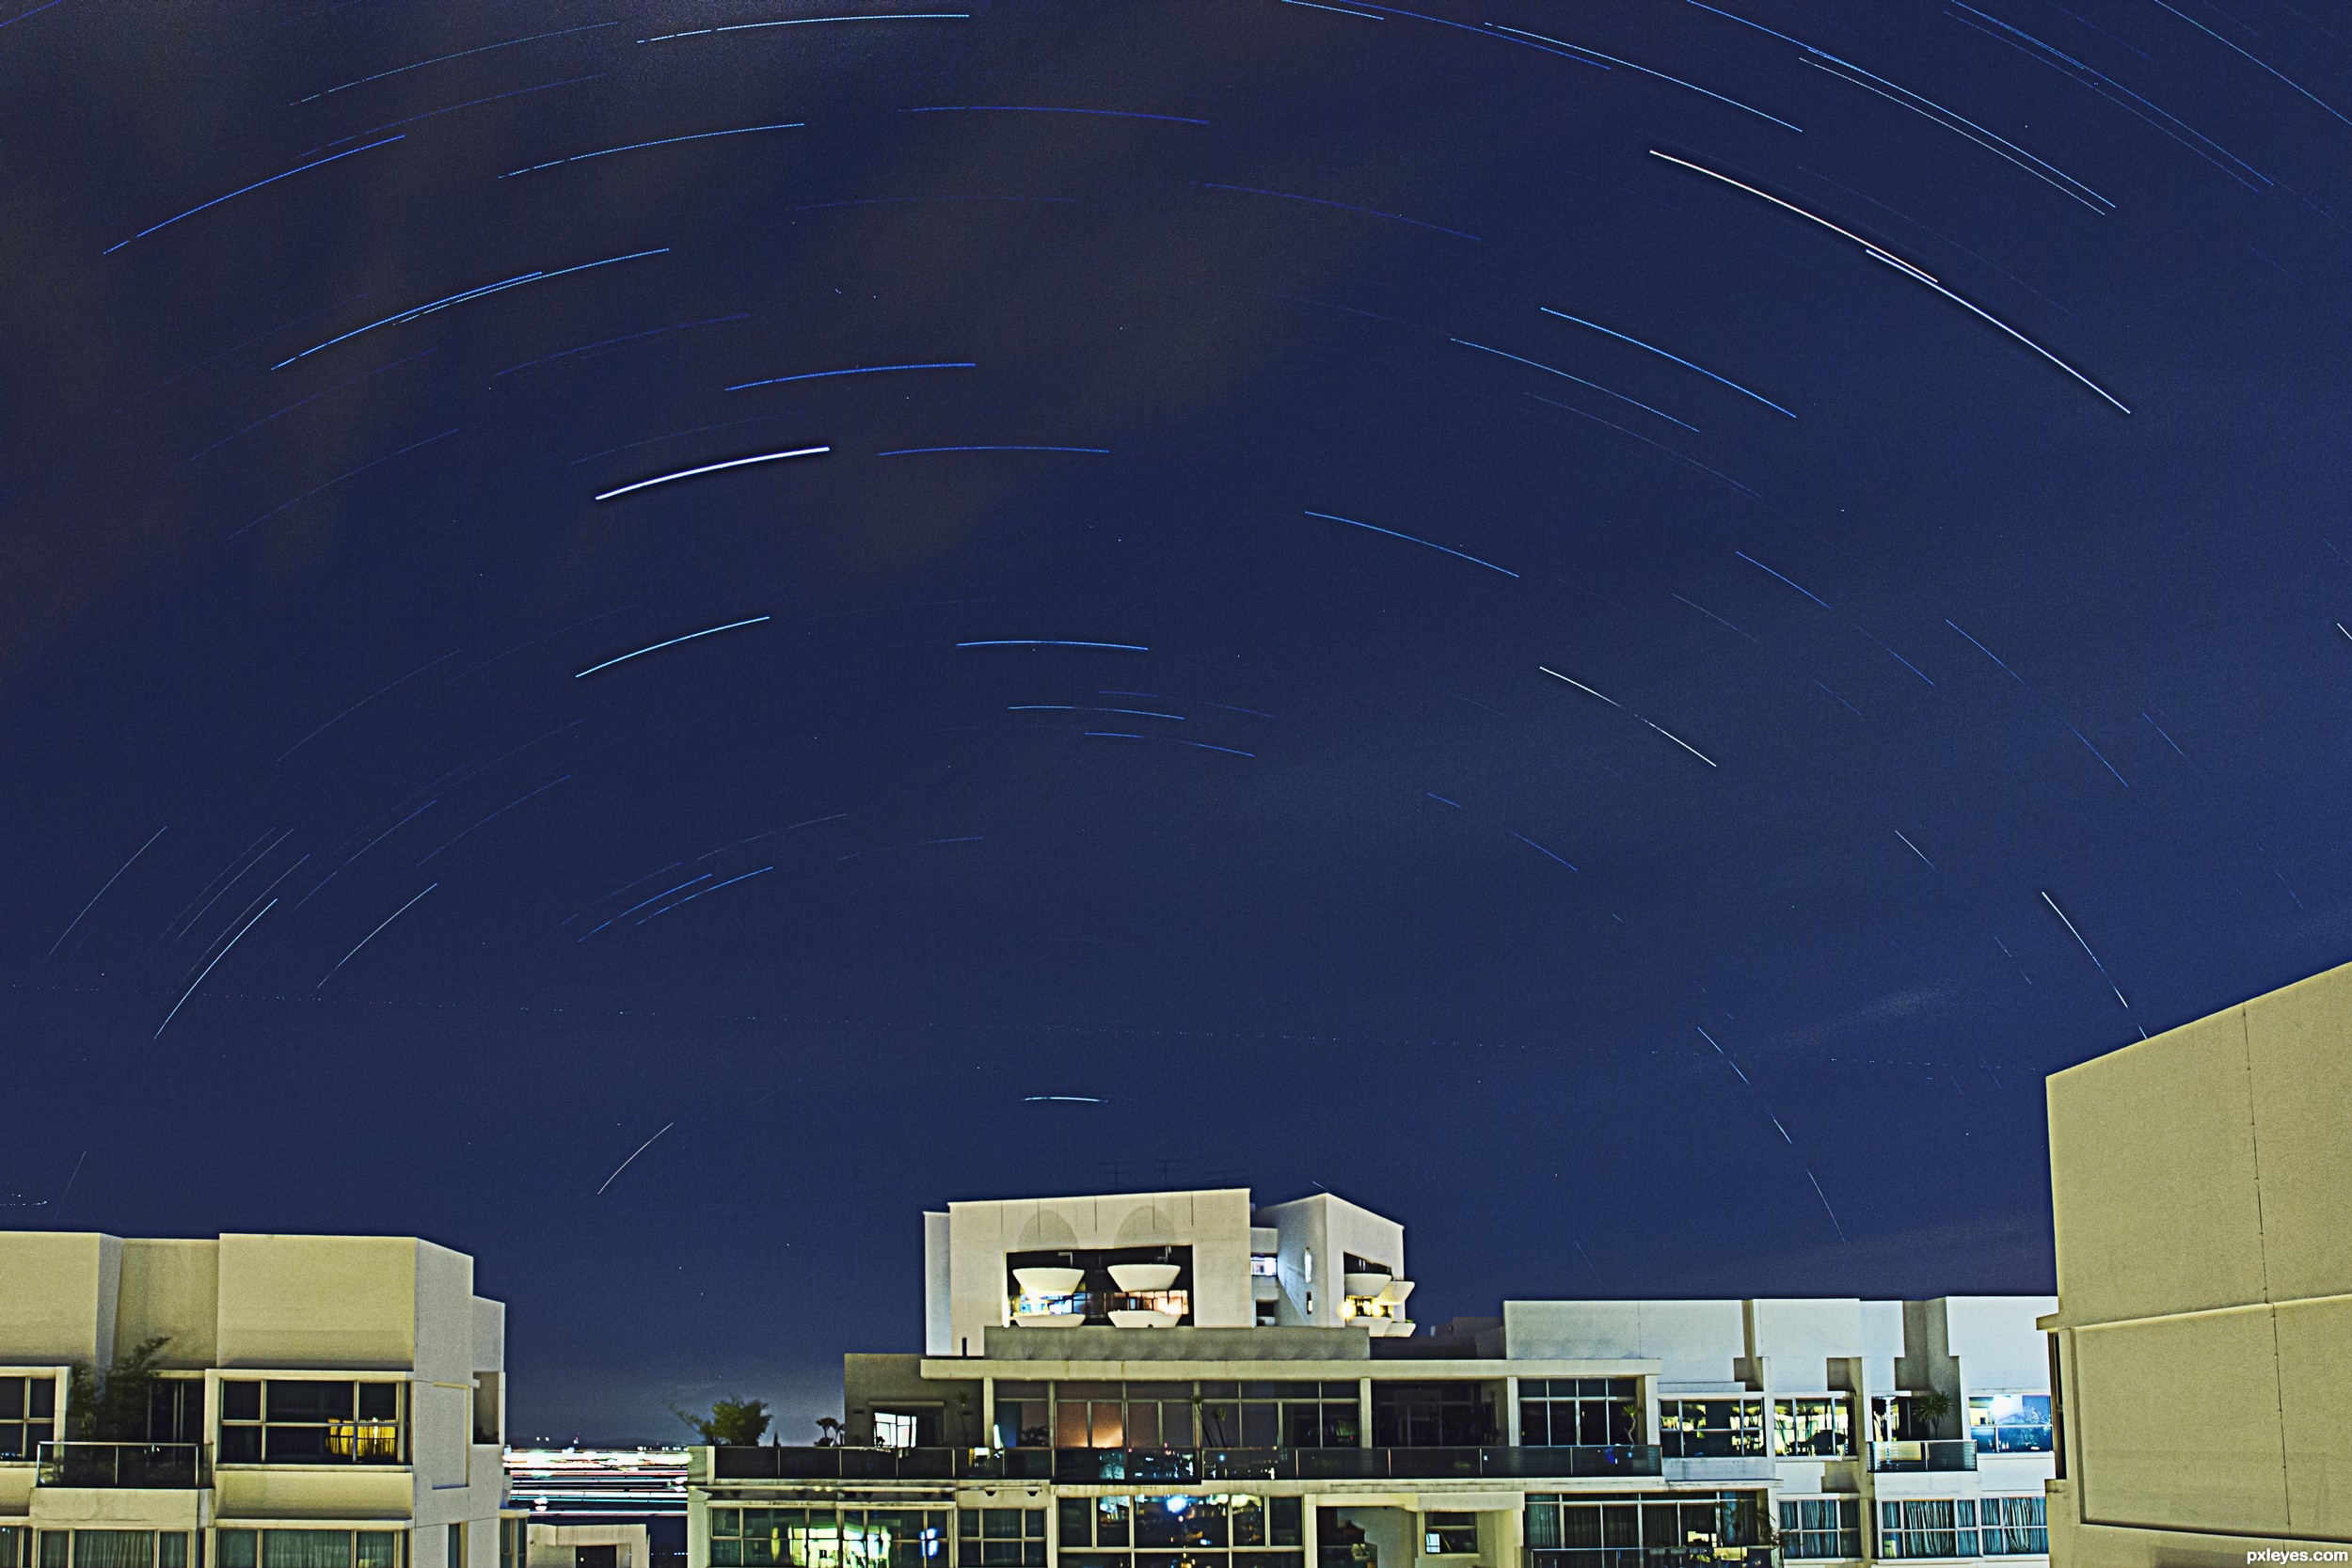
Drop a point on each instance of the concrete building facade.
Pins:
(1186, 1380)
(268, 1402)
(2202, 1182)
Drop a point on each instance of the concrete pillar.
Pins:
(1363, 1412)
(1511, 1411)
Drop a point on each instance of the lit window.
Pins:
(1821, 1427)
(1710, 1428)
(1265, 1265)
(893, 1430)
(1449, 1534)
(310, 1422)
(2010, 1423)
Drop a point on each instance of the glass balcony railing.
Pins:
(157, 1466)
(1924, 1454)
(1091, 1466)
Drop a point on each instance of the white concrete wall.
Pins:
(552, 1545)
(170, 1288)
(1214, 1222)
(1997, 1342)
(938, 1290)
(1695, 1342)
(1800, 1338)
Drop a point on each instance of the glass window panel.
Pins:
(234, 1549)
(239, 1402)
(114, 1548)
(1535, 1423)
(380, 1549)
(1111, 1516)
(1143, 1426)
(54, 1544)
(1246, 1519)
(40, 1398)
(1620, 1525)
(379, 1400)
(291, 1399)
(1070, 1426)
(305, 1548)
(1020, 1391)
(171, 1549)
(293, 1444)
(1176, 1424)
(11, 1546)
(1077, 1521)
(1285, 1522)
(1260, 1426)
(1110, 1432)
(11, 1401)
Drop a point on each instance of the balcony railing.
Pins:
(156, 1465)
(1091, 1467)
(1924, 1454)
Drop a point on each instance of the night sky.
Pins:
(1571, 621)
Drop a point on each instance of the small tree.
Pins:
(111, 1406)
(732, 1423)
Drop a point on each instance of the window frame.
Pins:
(362, 1433)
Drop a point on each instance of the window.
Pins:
(894, 1429)
(95, 1549)
(1278, 1415)
(2010, 1423)
(1820, 1526)
(1725, 1428)
(310, 1422)
(1096, 1532)
(513, 1544)
(1822, 1427)
(1172, 1416)
(2012, 1527)
(175, 1410)
(455, 1557)
(1643, 1530)
(1449, 1534)
(311, 1548)
(28, 1416)
(1576, 1412)
(821, 1538)
(1000, 1538)
(1431, 1416)
(1928, 1527)
(1265, 1265)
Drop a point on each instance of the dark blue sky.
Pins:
(1611, 680)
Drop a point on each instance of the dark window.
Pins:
(595, 1556)
(14, 1541)
(1449, 1534)
(1285, 1522)
(28, 1414)
(1431, 1416)
(1587, 1531)
(999, 1538)
(1577, 1412)
(175, 1410)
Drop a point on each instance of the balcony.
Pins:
(1095, 1466)
(159, 1467)
(1924, 1454)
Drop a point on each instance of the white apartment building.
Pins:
(1186, 1380)
(268, 1402)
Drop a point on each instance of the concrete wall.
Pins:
(938, 1288)
(290, 1301)
(171, 1288)
(2200, 1180)
(1696, 1341)
(1330, 1228)
(551, 1545)
(1214, 1222)
(60, 1306)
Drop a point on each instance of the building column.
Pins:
(1363, 1412)
(1511, 1411)
(988, 1413)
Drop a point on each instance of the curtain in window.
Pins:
(305, 1548)
(380, 1549)
(171, 1549)
(114, 1548)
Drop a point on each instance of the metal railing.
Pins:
(1924, 1454)
(1090, 1467)
(157, 1466)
